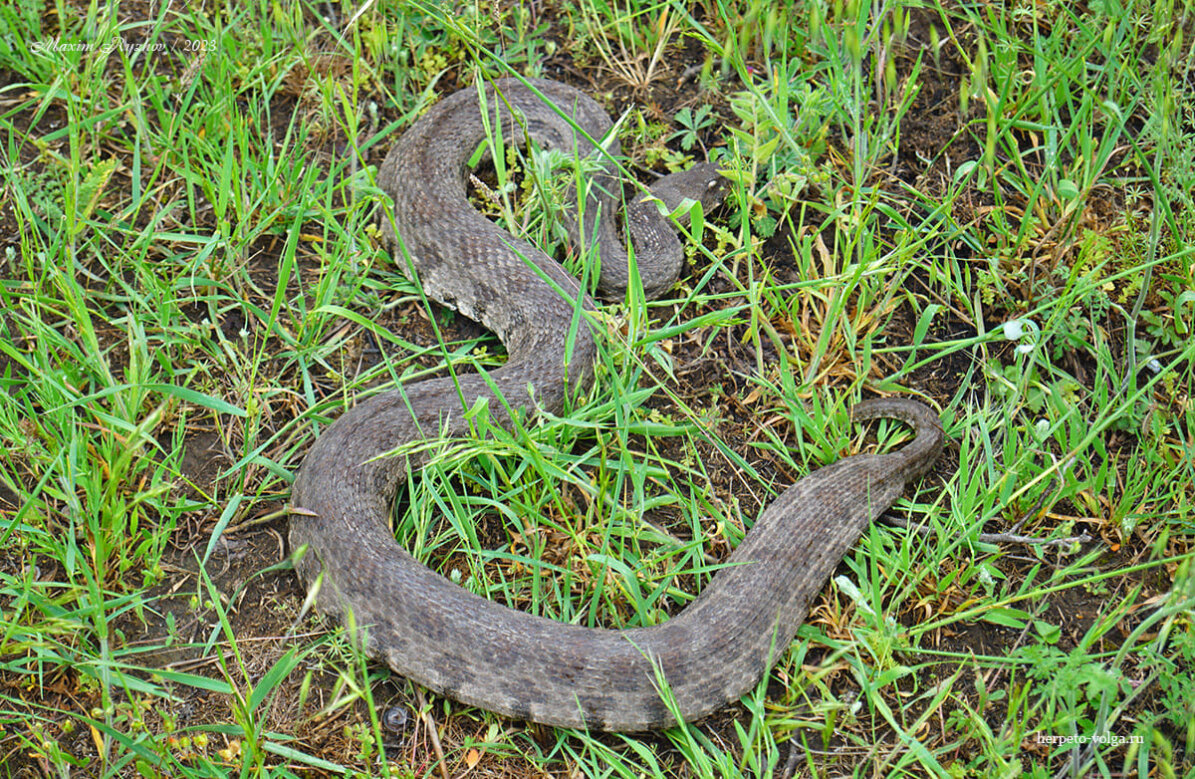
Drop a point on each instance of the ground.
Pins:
(911, 232)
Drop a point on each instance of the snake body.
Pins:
(468, 648)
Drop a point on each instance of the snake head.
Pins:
(703, 183)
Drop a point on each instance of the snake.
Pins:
(485, 654)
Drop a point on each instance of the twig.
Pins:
(426, 716)
(790, 765)
(1000, 538)
(688, 73)
(1011, 537)
(262, 519)
(1041, 501)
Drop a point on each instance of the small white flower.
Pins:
(1042, 429)
(1016, 329)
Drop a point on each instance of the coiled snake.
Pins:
(481, 653)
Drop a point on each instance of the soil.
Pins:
(264, 600)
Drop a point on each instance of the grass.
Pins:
(985, 205)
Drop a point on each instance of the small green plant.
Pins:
(692, 124)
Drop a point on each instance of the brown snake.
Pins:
(481, 653)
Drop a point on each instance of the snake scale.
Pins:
(484, 654)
